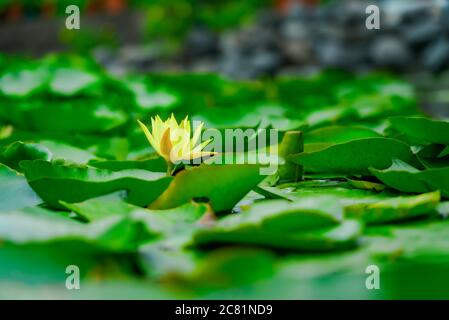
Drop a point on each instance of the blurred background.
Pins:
(243, 39)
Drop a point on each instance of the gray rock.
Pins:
(204, 65)
(389, 51)
(200, 42)
(294, 30)
(395, 13)
(257, 38)
(104, 55)
(334, 54)
(415, 12)
(298, 52)
(436, 56)
(237, 67)
(350, 13)
(305, 71)
(298, 12)
(138, 55)
(421, 33)
(266, 62)
(444, 17)
(229, 43)
(269, 18)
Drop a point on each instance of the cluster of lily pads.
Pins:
(364, 181)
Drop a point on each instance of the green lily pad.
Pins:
(220, 185)
(307, 224)
(15, 193)
(403, 177)
(225, 268)
(56, 182)
(281, 215)
(422, 130)
(40, 226)
(344, 191)
(338, 134)
(24, 81)
(114, 204)
(433, 156)
(353, 157)
(395, 209)
(74, 115)
(60, 150)
(342, 236)
(17, 151)
(155, 164)
(366, 185)
(70, 81)
(443, 209)
(147, 98)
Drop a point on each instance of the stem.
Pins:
(291, 143)
(170, 167)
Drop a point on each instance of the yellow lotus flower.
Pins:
(172, 140)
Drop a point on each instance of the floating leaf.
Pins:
(24, 81)
(422, 130)
(366, 185)
(405, 178)
(113, 204)
(342, 236)
(153, 98)
(156, 164)
(55, 182)
(399, 208)
(76, 115)
(309, 224)
(17, 151)
(40, 226)
(220, 185)
(15, 193)
(433, 156)
(355, 156)
(339, 189)
(226, 268)
(338, 134)
(69, 81)
(443, 209)
(64, 151)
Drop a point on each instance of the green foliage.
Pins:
(79, 184)
(56, 182)
(355, 156)
(235, 181)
